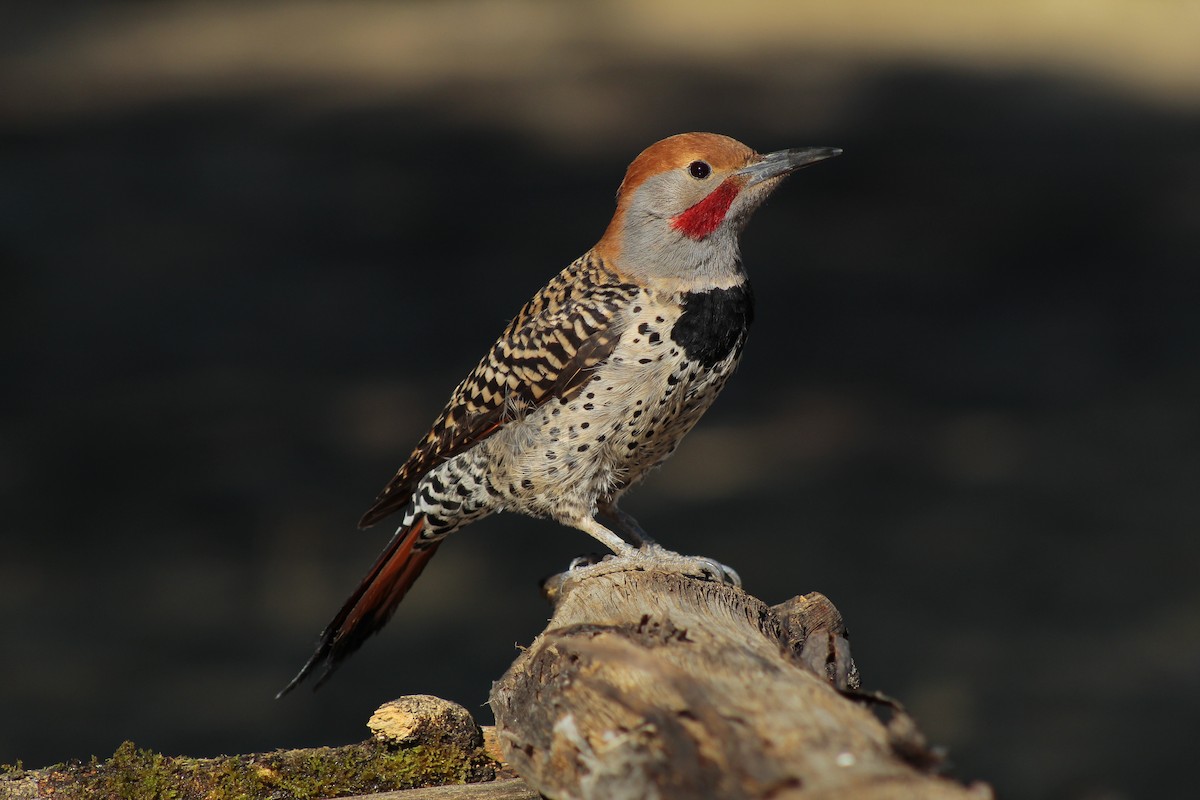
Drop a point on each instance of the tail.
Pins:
(373, 602)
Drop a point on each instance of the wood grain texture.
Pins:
(651, 683)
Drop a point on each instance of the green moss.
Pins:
(361, 768)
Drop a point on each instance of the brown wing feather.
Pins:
(547, 352)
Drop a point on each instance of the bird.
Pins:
(593, 383)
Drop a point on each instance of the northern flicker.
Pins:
(595, 380)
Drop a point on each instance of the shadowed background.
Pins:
(248, 249)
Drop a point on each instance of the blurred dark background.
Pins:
(248, 249)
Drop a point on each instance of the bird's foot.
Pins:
(650, 556)
(699, 566)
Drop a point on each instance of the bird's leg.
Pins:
(603, 535)
(626, 523)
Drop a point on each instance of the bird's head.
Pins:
(684, 201)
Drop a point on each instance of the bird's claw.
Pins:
(579, 562)
(717, 572)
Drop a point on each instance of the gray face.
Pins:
(684, 229)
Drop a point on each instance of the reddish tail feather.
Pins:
(372, 604)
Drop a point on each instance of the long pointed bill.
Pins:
(785, 162)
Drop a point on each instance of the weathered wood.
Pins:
(649, 682)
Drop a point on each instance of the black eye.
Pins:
(699, 170)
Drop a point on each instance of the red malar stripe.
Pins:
(703, 218)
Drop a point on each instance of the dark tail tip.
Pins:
(371, 605)
(325, 653)
(299, 679)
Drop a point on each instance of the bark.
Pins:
(652, 683)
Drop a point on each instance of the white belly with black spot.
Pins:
(563, 457)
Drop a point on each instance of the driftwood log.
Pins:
(653, 683)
